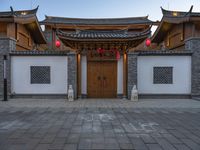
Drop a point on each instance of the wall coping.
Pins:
(8, 38)
(72, 53)
(192, 38)
(39, 53)
(159, 53)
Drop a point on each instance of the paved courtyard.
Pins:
(99, 124)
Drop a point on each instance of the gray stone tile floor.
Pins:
(28, 124)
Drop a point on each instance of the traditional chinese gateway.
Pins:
(100, 58)
(101, 46)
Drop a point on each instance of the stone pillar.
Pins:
(193, 44)
(6, 46)
(131, 71)
(72, 72)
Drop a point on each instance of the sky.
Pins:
(101, 8)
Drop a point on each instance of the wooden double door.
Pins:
(102, 79)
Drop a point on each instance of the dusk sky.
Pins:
(100, 8)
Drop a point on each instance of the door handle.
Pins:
(99, 78)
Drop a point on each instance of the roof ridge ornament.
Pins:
(12, 11)
(191, 8)
(176, 13)
(190, 11)
(11, 8)
(37, 8)
(163, 10)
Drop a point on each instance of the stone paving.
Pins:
(99, 124)
(106, 103)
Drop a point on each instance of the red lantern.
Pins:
(58, 43)
(148, 42)
(100, 51)
(117, 55)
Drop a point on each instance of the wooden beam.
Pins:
(124, 75)
(79, 74)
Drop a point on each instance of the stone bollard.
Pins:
(70, 93)
(134, 94)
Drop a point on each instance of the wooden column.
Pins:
(124, 75)
(79, 74)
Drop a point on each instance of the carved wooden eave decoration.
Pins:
(29, 19)
(172, 17)
(88, 39)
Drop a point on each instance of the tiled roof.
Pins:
(104, 21)
(29, 19)
(141, 53)
(166, 52)
(173, 17)
(37, 52)
(18, 13)
(96, 34)
(179, 14)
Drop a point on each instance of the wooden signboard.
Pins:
(94, 55)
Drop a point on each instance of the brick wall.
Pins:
(132, 72)
(6, 45)
(193, 44)
(72, 72)
(1, 77)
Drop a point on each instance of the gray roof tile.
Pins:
(104, 21)
(95, 34)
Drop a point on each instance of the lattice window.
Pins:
(40, 74)
(163, 75)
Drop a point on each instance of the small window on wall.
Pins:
(163, 75)
(40, 74)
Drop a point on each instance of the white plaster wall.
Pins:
(181, 74)
(84, 75)
(20, 74)
(120, 76)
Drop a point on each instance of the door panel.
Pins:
(94, 79)
(109, 76)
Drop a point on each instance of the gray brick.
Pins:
(112, 146)
(138, 143)
(177, 134)
(147, 139)
(132, 72)
(191, 144)
(126, 146)
(165, 144)
(73, 138)
(6, 46)
(72, 72)
(42, 147)
(99, 146)
(181, 147)
(85, 145)
(193, 44)
(171, 138)
(70, 147)
(154, 147)
(17, 136)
